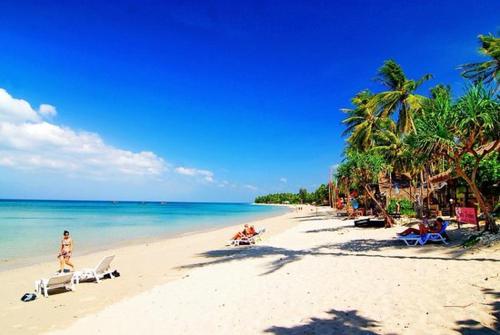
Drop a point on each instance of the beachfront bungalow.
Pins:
(440, 194)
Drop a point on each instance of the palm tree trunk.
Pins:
(421, 200)
(390, 188)
(389, 221)
(429, 192)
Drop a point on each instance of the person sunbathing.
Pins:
(248, 231)
(424, 228)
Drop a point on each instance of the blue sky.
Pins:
(204, 101)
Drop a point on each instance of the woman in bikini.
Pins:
(65, 252)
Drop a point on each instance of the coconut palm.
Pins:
(400, 98)
(487, 71)
(391, 145)
(361, 121)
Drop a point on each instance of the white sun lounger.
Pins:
(67, 281)
(102, 269)
(415, 239)
(412, 239)
(249, 240)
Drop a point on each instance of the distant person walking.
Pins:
(65, 252)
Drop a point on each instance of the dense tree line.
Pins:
(318, 197)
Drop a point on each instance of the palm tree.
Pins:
(363, 169)
(456, 130)
(361, 121)
(402, 159)
(400, 97)
(487, 71)
(391, 145)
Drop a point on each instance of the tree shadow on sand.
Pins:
(473, 327)
(354, 248)
(328, 230)
(363, 245)
(341, 322)
(235, 254)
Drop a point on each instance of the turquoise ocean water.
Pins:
(30, 231)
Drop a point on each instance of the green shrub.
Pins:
(405, 206)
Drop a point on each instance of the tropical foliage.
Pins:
(363, 169)
(452, 129)
(319, 197)
(487, 71)
(399, 97)
(405, 207)
(400, 131)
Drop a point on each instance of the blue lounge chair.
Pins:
(414, 239)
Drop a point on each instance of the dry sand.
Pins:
(319, 276)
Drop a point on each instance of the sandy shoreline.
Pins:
(7, 265)
(313, 274)
(143, 265)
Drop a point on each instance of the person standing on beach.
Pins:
(65, 252)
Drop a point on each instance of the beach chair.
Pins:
(438, 237)
(102, 269)
(249, 240)
(67, 281)
(414, 239)
(258, 236)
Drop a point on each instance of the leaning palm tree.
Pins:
(400, 98)
(487, 71)
(363, 168)
(457, 130)
(361, 121)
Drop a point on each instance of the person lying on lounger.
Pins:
(247, 232)
(424, 228)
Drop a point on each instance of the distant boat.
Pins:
(163, 203)
(115, 202)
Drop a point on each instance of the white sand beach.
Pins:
(313, 274)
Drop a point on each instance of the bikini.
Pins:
(65, 244)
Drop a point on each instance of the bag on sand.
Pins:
(28, 297)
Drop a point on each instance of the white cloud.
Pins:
(47, 110)
(283, 180)
(31, 140)
(206, 175)
(16, 110)
(28, 142)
